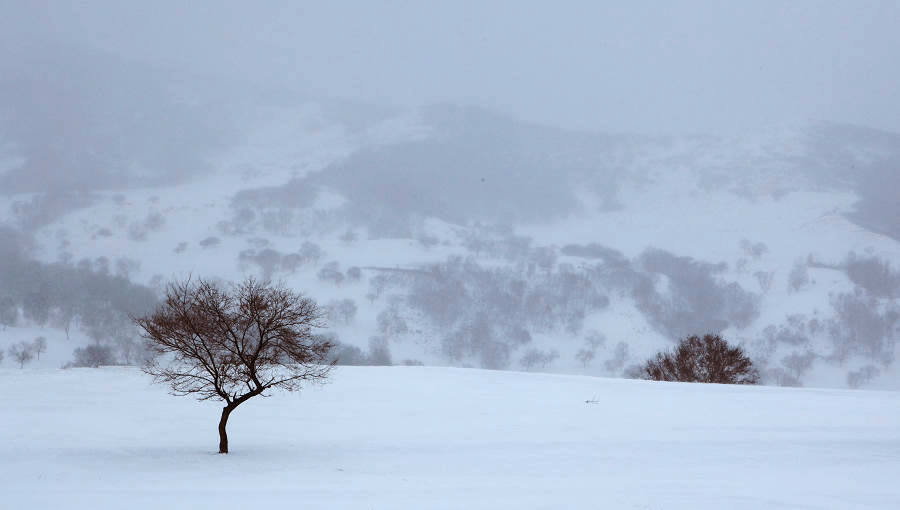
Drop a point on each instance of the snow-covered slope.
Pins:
(425, 437)
(292, 201)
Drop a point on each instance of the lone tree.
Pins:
(709, 360)
(234, 343)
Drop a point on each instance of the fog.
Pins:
(649, 67)
(504, 185)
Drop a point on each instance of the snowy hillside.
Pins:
(424, 437)
(457, 236)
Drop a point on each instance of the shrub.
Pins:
(341, 311)
(379, 352)
(584, 356)
(798, 278)
(537, 358)
(331, 273)
(862, 376)
(22, 353)
(93, 356)
(38, 346)
(210, 242)
(354, 274)
(617, 361)
(709, 360)
(873, 274)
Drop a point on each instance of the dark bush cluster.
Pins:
(874, 275)
(139, 230)
(86, 295)
(331, 272)
(271, 262)
(798, 278)
(489, 312)
(862, 325)
(93, 356)
(695, 298)
(341, 311)
(44, 208)
(378, 354)
(706, 360)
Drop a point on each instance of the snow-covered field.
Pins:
(417, 437)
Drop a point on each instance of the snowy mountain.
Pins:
(458, 236)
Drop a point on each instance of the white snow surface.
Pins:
(428, 437)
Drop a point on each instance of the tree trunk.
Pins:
(223, 436)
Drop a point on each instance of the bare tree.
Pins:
(38, 346)
(709, 360)
(585, 356)
(22, 353)
(234, 343)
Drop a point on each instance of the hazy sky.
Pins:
(662, 66)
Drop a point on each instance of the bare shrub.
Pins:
(344, 354)
(585, 356)
(210, 242)
(268, 260)
(331, 273)
(22, 353)
(379, 352)
(126, 267)
(782, 377)
(765, 279)
(138, 231)
(341, 311)
(785, 335)
(708, 360)
(595, 340)
(93, 356)
(798, 279)
(798, 363)
(518, 335)
(310, 253)
(354, 274)
(617, 361)
(754, 250)
(864, 375)
(390, 323)
(535, 358)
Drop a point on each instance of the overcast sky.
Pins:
(661, 66)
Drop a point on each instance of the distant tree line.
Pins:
(84, 295)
